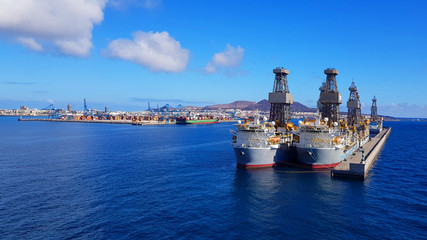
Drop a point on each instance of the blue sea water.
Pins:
(105, 181)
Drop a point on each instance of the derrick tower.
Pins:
(330, 98)
(280, 99)
(374, 114)
(353, 105)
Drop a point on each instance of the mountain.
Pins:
(299, 107)
(264, 105)
(236, 104)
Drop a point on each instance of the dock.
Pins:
(106, 121)
(358, 164)
(98, 121)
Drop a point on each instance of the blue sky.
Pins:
(123, 54)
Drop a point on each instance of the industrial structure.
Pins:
(85, 108)
(330, 98)
(354, 114)
(280, 99)
(374, 113)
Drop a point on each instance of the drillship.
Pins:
(256, 144)
(264, 143)
(325, 143)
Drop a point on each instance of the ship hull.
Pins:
(321, 157)
(259, 157)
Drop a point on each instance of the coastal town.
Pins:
(167, 113)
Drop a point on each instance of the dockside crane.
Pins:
(52, 114)
(86, 110)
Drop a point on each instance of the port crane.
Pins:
(86, 110)
(52, 114)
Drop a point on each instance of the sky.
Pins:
(126, 53)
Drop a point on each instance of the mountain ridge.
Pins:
(262, 105)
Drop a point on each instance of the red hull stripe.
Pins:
(239, 165)
(312, 166)
(315, 166)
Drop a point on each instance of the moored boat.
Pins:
(196, 120)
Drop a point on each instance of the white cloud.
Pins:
(124, 4)
(231, 57)
(157, 51)
(30, 43)
(66, 24)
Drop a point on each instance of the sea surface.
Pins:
(107, 181)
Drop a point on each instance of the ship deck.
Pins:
(353, 166)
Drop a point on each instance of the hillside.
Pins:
(264, 105)
(236, 104)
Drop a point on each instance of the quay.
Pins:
(144, 122)
(98, 121)
(358, 164)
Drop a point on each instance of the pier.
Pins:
(107, 121)
(360, 162)
(98, 121)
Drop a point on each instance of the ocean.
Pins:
(107, 181)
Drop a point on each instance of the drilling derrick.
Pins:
(354, 107)
(374, 114)
(280, 99)
(321, 89)
(330, 98)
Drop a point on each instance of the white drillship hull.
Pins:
(322, 157)
(259, 157)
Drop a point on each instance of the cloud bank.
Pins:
(157, 51)
(66, 24)
(231, 57)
